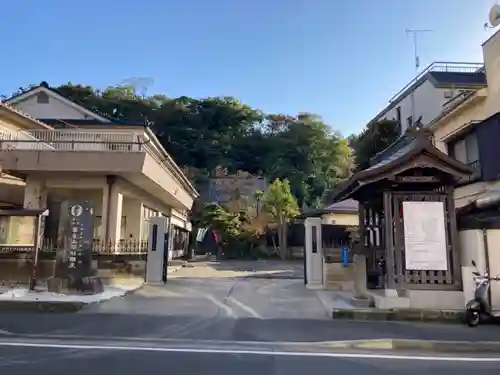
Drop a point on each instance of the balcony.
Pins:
(136, 155)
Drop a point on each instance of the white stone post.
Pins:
(313, 252)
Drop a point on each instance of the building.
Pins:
(59, 150)
(468, 129)
(426, 94)
(340, 213)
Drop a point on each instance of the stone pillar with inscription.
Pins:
(74, 272)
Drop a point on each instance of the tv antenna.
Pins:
(494, 17)
(414, 33)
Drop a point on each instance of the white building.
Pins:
(427, 94)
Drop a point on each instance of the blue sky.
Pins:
(341, 59)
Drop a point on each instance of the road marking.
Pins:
(244, 307)
(247, 352)
(224, 307)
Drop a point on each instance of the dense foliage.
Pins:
(202, 134)
(372, 140)
(205, 134)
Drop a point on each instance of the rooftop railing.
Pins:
(441, 66)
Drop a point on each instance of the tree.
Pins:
(373, 140)
(280, 203)
(258, 195)
(204, 133)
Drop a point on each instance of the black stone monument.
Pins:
(73, 271)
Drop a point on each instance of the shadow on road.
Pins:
(223, 328)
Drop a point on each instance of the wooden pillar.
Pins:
(388, 242)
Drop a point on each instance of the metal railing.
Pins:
(99, 247)
(68, 140)
(441, 66)
(82, 140)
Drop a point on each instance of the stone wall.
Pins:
(338, 277)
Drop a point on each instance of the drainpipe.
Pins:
(111, 181)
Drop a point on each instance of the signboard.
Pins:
(425, 236)
(77, 227)
(417, 179)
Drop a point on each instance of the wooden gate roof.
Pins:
(415, 144)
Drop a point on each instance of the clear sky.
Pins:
(341, 59)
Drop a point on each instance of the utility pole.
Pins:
(414, 33)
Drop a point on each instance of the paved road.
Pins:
(51, 361)
(243, 301)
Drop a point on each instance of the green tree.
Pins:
(373, 140)
(280, 203)
(258, 195)
(203, 133)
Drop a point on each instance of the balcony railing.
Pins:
(81, 140)
(65, 140)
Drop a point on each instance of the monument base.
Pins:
(85, 285)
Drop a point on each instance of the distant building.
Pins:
(341, 213)
(432, 89)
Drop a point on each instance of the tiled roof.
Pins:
(458, 78)
(346, 205)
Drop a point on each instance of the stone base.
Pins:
(360, 302)
(86, 285)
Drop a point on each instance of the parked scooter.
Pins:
(479, 308)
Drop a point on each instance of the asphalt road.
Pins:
(55, 361)
(238, 309)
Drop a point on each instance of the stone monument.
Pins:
(73, 270)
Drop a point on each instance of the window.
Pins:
(42, 98)
(466, 150)
(17, 230)
(409, 121)
(398, 115)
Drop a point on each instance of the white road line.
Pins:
(244, 307)
(247, 352)
(224, 307)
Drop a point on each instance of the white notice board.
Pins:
(425, 236)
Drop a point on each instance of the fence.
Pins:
(124, 259)
(334, 238)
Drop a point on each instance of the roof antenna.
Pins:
(414, 33)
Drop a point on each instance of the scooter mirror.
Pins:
(473, 263)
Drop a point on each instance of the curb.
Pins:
(40, 306)
(420, 345)
(53, 306)
(417, 315)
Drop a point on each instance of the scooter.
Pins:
(479, 307)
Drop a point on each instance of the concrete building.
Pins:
(56, 150)
(425, 96)
(468, 129)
